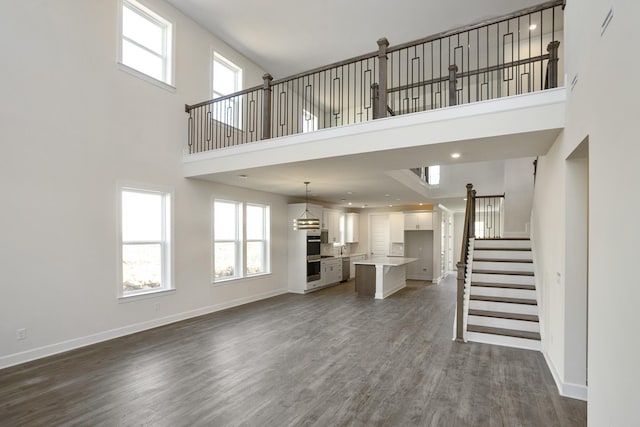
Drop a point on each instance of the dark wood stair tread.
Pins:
(505, 332)
(501, 315)
(504, 285)
(508, 273)
(525, 301)
(504, 238)
(502, 249)
(524, 261)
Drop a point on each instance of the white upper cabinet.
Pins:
(418, 221)
(333, 222)
(352, 228)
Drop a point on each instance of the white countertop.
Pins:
(383, 260)
(342, 256)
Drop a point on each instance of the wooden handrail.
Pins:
(467, 232)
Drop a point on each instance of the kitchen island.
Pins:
(381, 276)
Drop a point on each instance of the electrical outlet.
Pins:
(21, 334)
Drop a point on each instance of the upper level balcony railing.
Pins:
(510, 55)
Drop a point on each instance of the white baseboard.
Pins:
(61, 347)
(574, 391)
(393, 290)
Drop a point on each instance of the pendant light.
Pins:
(306, 221)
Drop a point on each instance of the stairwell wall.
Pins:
(601, 107)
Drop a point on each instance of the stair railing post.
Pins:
(453, 92)
(375, 96)
(552, 67)
(266, 106)
(381, 110)
(462, 265)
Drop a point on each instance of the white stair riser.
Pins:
(479, 244)
(502, 292)
(504, 307)
(503, 278)
(479, 253)
(496, 322)
(502, 266)
(503, 340)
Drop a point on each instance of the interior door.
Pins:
(379, 234)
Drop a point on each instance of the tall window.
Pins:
(145, 241)
(257, 225)
(227, 233)
(241, 247)
(146, 41)
(226, 79)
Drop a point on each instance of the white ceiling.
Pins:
(285, 37)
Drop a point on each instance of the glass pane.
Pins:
(255, 222)
(141, 30)
(146, 62)
(224, 78)
(255, 257)
(141, 216)
(141, 267)
(224, 218)
(224, 259)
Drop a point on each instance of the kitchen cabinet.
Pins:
(331, 271)
(396, 227)
(352, 228)
(418, 221)
(355, 258)
(332, 221)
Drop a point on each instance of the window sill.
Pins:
(146, 77)
(225, 282)
(145, 295)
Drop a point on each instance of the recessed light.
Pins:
(420, 204)
(455, 155)
(397, 200)
(343, 200)
(532, 27)
(349, 192)
(387, 195)
(350, 203)
(243, 176)
(465, 199)
(390, 206)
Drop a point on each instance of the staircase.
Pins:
(502, 301)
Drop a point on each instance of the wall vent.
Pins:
(606, 22)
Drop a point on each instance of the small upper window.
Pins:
(309, 122)
(146, 41)
(227, 77)
(433, 175)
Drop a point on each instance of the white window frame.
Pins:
(168, 43)
(309, 121)
(236, 104)
(238, 247)
(166, 242)
(266, 239)
(241, 241)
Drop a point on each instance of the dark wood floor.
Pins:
(329, 358)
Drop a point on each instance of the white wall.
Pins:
(518, 189)
(73, 125)
(602, 108)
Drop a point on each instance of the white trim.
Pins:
(146, 77)
(574, 391)
(393, 290)
(50, 350)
